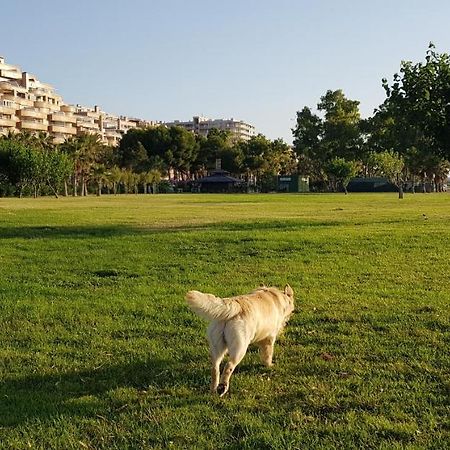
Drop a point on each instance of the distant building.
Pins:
(239, 129)
(293, 183)
(27, 104)
(218, 181)
(371, 184)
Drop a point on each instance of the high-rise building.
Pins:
(27, 104)
(238, 129)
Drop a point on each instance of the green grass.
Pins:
(99, 350)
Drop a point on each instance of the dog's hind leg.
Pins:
(236, 351)
(217, 350)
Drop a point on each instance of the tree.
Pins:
(255, 152)
(56, 168)
(182, 151)
(338, 134)
(390, 165)
(340, 171)
(308, 135)
(216, 145)
(419, 101)
(341, 131)
(19, 164)
(113, 178)
(84, 150)
(152, 177)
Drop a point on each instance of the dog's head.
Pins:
(289, 296)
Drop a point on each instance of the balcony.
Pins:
(62, 129)
(67, 108)
(33, 125)
(62, 117)
(24, 102)
(6, 85)
(10, 110)
(6, 122)
(87, 125)
(81, 131)
(32, 113)
(43, 105)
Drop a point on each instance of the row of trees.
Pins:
(406, 140)
(29, 164)
(183, 156)
(33, 165)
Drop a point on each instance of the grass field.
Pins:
(99, 350)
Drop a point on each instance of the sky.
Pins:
(257, 61)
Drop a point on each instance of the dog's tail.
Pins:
(211, 307)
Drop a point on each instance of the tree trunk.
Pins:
(66, 190)
(55, 192)
(75, 186)
(84, 192)
(400, 190)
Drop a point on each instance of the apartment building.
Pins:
(27, 104)
(239, 129)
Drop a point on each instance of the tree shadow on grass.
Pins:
(46, 396)
(107, 231)
(74, 232)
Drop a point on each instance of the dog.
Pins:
(236, 322)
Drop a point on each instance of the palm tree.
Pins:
(151, 177)
(83, 150)
(113, 178)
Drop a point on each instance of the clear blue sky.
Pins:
(255, 60)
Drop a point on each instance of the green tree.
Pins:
(308, 135)
(84, 150)
(152, 177)
(419, 101)
(340, 172)
(341, 126)
(19, 164)
(337, 135)
(57, 166)
(182, 151)
(390, 165)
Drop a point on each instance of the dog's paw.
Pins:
(222, 389)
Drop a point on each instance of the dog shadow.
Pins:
(45, 396)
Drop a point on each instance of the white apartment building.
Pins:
(239, 129)
(27, 104)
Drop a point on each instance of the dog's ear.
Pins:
(288, 291)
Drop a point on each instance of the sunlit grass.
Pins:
(100, 351)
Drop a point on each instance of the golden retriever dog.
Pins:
(236, 322)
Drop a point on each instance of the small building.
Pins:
(371, 184)
(293, 183)
(218, 181)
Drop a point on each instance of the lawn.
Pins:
(99, 350)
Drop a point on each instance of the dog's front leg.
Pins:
(266, 350)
